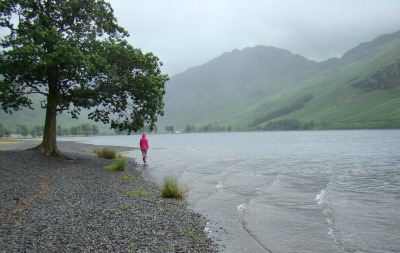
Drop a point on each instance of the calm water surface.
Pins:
(311, 191)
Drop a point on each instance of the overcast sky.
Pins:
(189, 33)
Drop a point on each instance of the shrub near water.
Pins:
(106, 153)
(172, 189)
(118, 165)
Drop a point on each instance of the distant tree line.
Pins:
(287, 124)
(4, 132)
(170, 129)
(84, 129)
(297, 105)
(145, 129)
(37, 131)
(206, 128)
(199, 129)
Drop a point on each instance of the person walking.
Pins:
(144, 146)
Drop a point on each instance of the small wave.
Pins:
(241, 207)
(219, 186)
(321, 197)
(334, 231)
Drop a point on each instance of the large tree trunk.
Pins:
(49, 143)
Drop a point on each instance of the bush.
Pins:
(118, 165)
(106, 153)
(172, 189)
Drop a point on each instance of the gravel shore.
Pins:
(55, 205)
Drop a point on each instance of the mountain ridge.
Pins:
(268, 88)
(253, 81)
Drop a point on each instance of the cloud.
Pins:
(189, 33)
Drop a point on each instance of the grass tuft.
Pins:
(125, 207)
(106, 153)
(172, 189)
(132, 248)
(129, 178)
(118, 165)
(136, 193)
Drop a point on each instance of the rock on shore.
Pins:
(54, 205)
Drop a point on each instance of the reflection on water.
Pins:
(313, 191)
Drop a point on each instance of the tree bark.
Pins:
(49, 143)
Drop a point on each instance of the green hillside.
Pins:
(269, 88)
(266, 88)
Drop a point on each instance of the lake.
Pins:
(294, 191)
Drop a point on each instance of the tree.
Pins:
(2, 131)
(38, 130)
(24, 131)
(87, 129)
(74, 131)
(18, 130)
(59, 130)
(190, 128)
(95, 130)
(169, 129)
(75, 55)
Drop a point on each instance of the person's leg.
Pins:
(144, 154)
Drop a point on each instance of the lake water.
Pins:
(303, 191)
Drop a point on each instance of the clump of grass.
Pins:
(106, 153)
(129, 178)
(172, 189)
(136, 193)
(118, 165)
(132, 248)
(125, 207)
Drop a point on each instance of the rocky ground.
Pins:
(56, 205)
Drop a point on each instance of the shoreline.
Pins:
(56, 205)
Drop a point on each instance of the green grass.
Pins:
(118, 165)
(137, 193)
(129, 178)
(172, 189)
(125, 207)
(132, 248)
(106, 153)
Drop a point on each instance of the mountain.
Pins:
(271, 88)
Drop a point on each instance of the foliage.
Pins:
(22, 130)
(118, 165)
(4, 132)
(75, 55)
(170, 129)
(172, 189)
(287, 124)
(190, 128)
(106, 153)
(297, 105)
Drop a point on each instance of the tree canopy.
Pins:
(76, 56)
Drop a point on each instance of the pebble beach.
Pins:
(75, 205)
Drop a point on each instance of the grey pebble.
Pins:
(83, 207)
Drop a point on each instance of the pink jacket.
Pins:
(144, 143)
